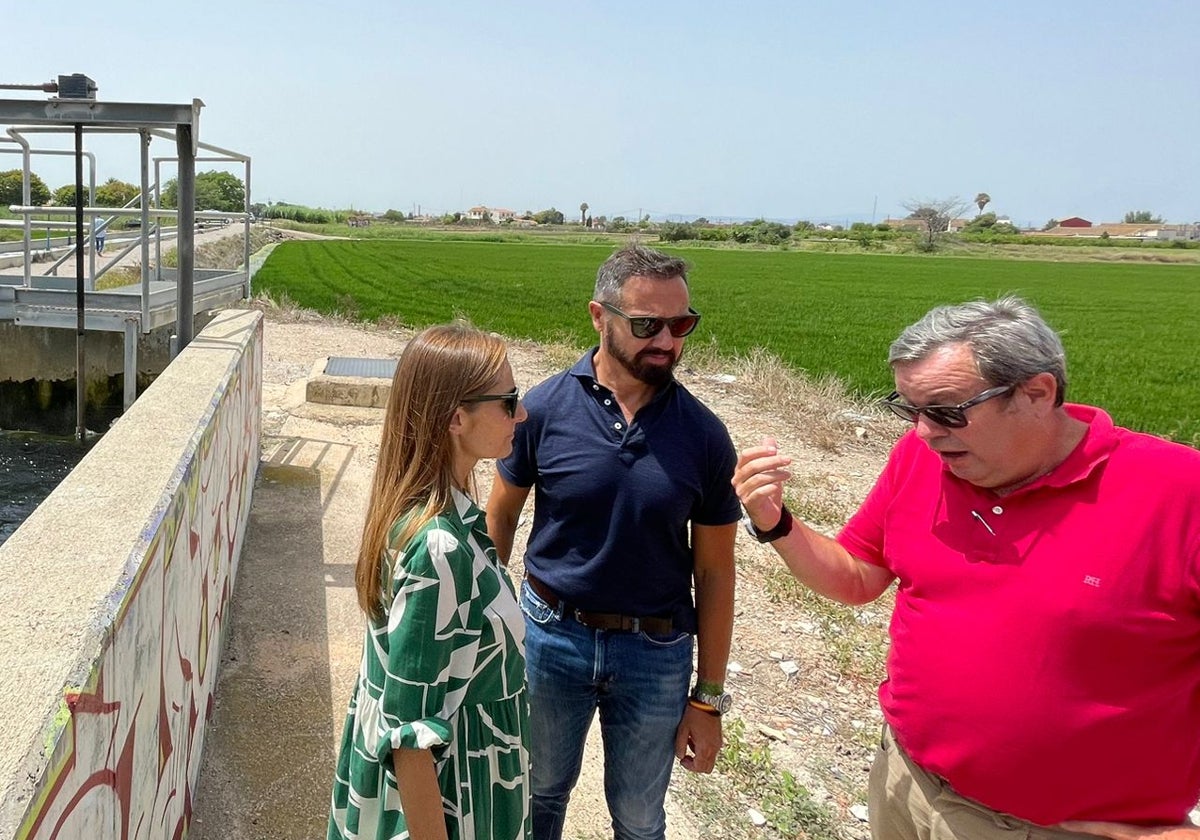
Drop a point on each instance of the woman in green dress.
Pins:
(435, 741)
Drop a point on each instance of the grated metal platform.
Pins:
(367, 368)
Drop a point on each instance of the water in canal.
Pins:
(31, 466)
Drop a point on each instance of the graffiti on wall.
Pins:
(127, 750)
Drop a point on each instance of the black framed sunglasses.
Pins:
(510, 399)
(645, 326)
(950, 416)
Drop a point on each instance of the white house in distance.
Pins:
(495, 214)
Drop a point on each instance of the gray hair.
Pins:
(1010, 340)
(634, 260)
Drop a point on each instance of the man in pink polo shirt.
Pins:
(1044, 674)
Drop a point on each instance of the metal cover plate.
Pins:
(367, 368)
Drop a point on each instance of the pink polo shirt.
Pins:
(1048, 667)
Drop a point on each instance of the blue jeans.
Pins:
(638, 682)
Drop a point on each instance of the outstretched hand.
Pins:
(758, 481)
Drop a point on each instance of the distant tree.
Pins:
(114, 193)
(986, 223)
(980, 223)
(982, 200)
(583, 208)
(676, 232)
(762, 232)
(1050, 225)
(302, 214)
(552, 216)
(936, 213)
(64, 196)
(11, 192)
(215, 190)
(1142, 217)
(803, 227)
(394, 215)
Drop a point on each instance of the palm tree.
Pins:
(982, 200)
(583, 208)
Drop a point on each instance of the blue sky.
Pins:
(785, 110)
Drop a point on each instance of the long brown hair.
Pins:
(414, 474)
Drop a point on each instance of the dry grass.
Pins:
(226, 252)
(823, 409)
(284, 310)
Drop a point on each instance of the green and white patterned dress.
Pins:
(443, 670)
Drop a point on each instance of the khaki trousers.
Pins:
(906, 803)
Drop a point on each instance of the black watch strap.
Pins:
(782, 529)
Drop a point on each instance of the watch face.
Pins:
(724, 703)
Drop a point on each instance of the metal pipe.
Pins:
(145, 242)
(80, 335)
(25, 197)
(16, 223)
(186, 247)
(231, 215)
(246, 236)
(157, 228)
(131, 339)
(92, 251)
(15, 136)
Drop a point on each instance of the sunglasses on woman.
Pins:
(644, 326)
(950, 416)
(510, 400)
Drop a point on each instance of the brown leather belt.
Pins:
(656, 625)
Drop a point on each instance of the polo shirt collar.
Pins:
(585, 371)
(1098, 442)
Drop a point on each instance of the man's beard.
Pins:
(653, 374)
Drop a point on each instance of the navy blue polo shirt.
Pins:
(613, 501)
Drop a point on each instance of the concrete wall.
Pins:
(48, 353)
(117, 592)
(37, 374)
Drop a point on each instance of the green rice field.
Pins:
(1130, 330)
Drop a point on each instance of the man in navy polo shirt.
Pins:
(633, 508)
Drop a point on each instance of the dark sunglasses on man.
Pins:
(644, 326)
(510, 400)
(950, 416)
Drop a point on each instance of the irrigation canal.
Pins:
(31, 466)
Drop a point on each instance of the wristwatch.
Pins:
(782, 529)
(714, 704)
